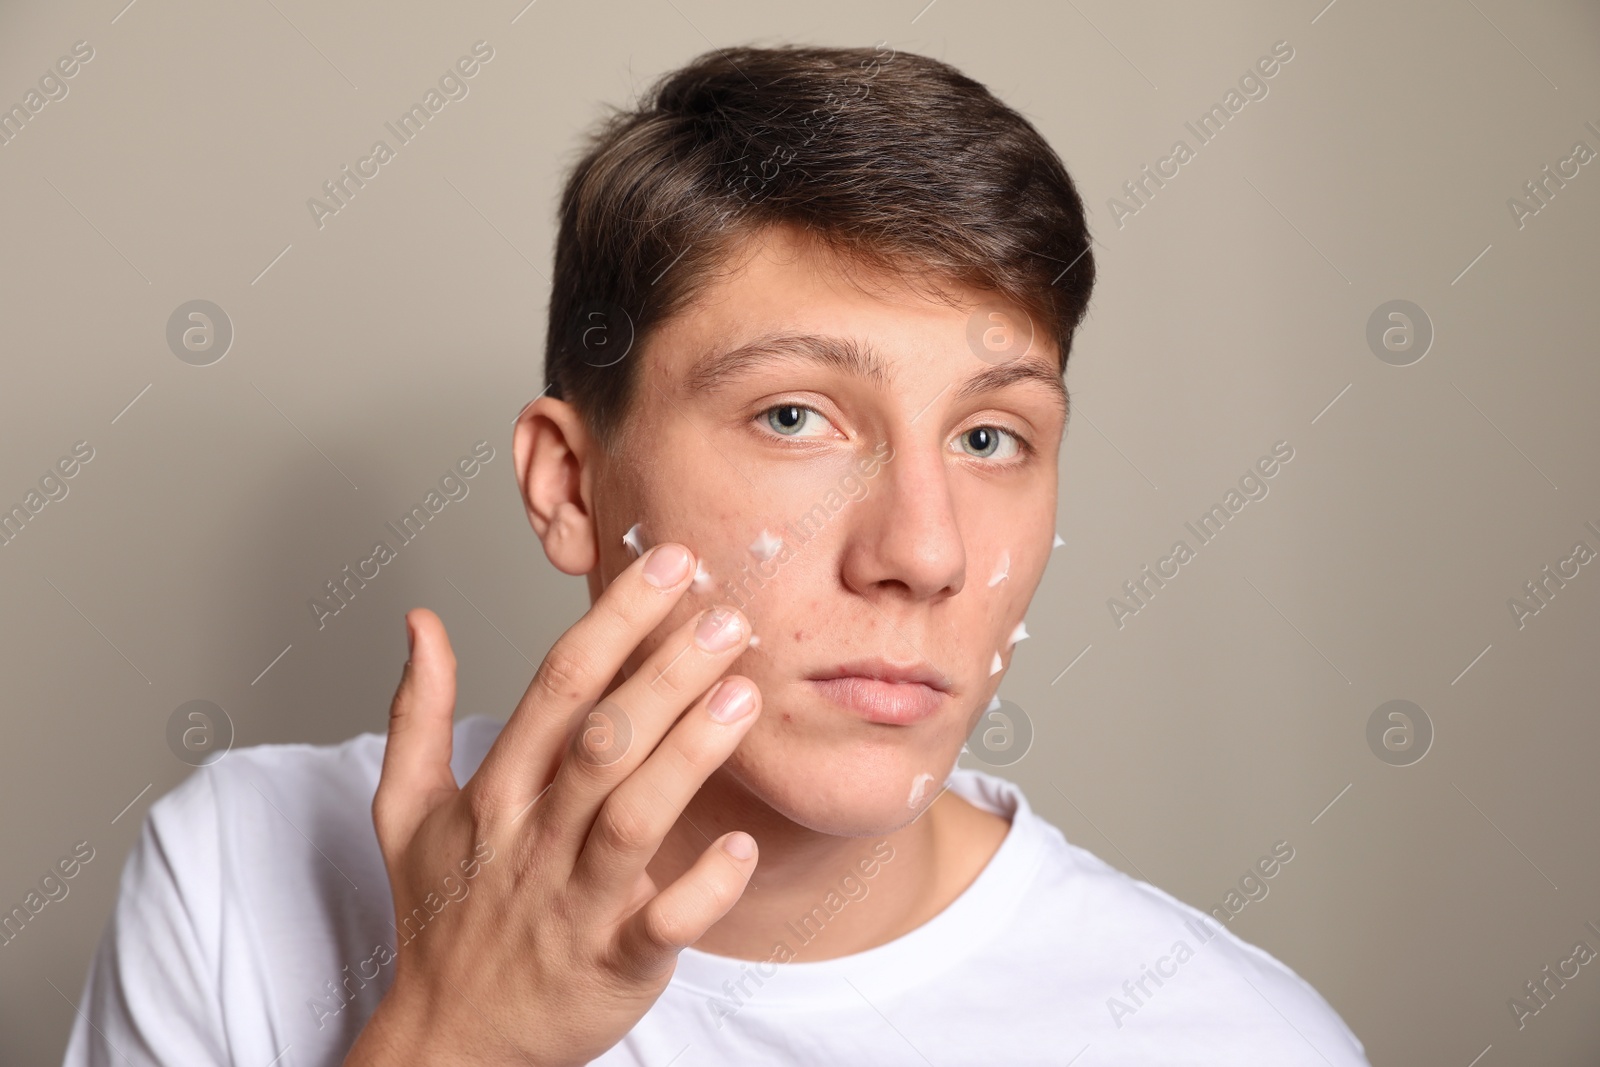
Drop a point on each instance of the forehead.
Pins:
(784, 296)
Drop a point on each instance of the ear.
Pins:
(552, 449)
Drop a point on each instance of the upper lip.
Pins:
(884, 671)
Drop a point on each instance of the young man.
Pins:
(810, 318)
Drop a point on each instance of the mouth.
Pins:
(884, 692)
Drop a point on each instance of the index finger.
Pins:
(578, 667)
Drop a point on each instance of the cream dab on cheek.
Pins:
(634, 540)
(1058, 542)
(765, 546)
(1002, 570)
(702, 578)
(919, 789)
(1020, 633)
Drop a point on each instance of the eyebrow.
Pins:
(854, 358)
(1016, 370)
(836, 353)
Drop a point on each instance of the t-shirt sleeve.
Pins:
(151, 993)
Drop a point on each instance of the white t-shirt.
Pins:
(255, 901)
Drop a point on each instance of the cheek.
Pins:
(1003, 577)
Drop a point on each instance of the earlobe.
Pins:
(551, 448)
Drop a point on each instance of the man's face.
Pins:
(912, 486)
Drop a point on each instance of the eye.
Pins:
(794, 420)
(988, 442)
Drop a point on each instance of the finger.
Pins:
(416, 771)
(636, 817)
(680, 914)
(621, 731)
(578, 668)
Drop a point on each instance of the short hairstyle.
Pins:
(893, 160)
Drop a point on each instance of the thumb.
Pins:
(416, 758)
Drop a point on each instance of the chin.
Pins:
(838, 783)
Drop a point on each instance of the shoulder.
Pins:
(314, 780)
(222, 808)
(1151, 973)
(250, 815)
(250, 886)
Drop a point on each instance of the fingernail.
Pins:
(731, 702)
(719, 630)
(411, 641)
(739, 845)
(667, 566)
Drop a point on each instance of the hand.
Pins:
(529, 929)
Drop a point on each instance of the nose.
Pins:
(907, 540)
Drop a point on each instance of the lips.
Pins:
(883, 692)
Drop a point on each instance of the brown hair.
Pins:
(894, 160)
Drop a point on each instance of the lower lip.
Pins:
(892, 703)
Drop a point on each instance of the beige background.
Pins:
(1227, 715)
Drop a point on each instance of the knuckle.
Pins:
(483, 804)
(625, 610)
(623, 828)
(601, 737)
(562, 673)
(695, 750)
(545, 836)
(678, 677)
(663, 927)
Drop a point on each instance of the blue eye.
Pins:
(988, 442)
(787, 418)
(794, 420)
